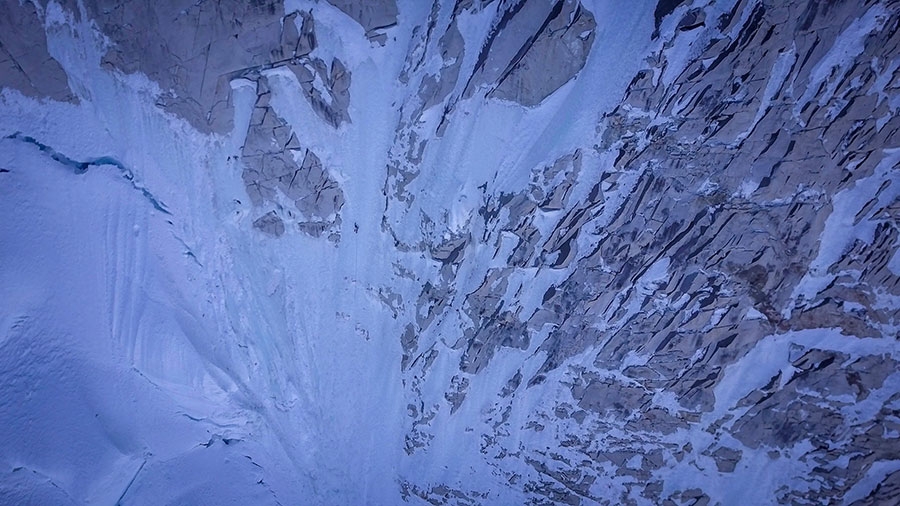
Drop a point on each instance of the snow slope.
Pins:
(674, 277)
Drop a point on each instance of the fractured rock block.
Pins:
(270, 223)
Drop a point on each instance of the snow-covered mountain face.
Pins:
(472, 252)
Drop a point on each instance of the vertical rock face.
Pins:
(25, 64)
(191, 49)
(374, 16)
(507, 252)
(545, 60)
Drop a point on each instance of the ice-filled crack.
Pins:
(82, 167)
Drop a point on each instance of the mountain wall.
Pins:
(472, 252)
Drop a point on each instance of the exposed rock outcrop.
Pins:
(374, 16)
(193, 51)
(25, 63)
(276, 165)
(747, 198)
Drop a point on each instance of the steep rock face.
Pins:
(475, 252)
(26, 65)
(191, 49)
(374, 16)
(747, 194)
(275, 164)
(533, 49)
(195, 51)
